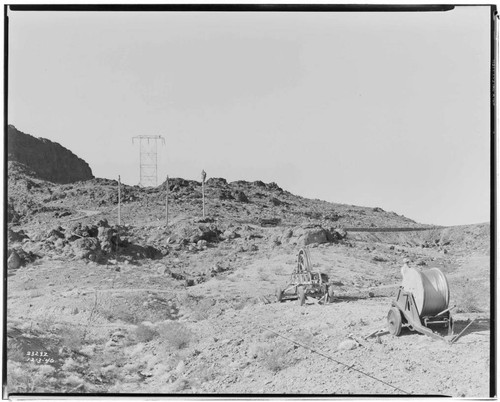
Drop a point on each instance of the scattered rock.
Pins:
(116, 340)
(201, 244)
(162, 269)
(208, 233)
(348, 344)
(14, 261)
(85, 246)
(14, 237)
(316, 235)
(276, 202)
(225, 195)
(241, 196)
(270, 222)
(230, 234)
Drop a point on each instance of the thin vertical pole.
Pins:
(119, 200)
(203, 176)
(141, 181)
(203, 195)
(156, 163)
(166, 201)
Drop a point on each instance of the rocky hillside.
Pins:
(46, 159)
(185, 306)
(239, 201)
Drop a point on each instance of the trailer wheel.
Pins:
(450, 327)
(330, 293)
(302, 295)
(279, 295)
(394, 321)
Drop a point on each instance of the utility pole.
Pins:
(119, 200)
(166, 201)
(148, 161)
(203, 176)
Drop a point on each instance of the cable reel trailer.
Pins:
(421, 303)
(304, 282)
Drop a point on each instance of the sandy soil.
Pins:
(110, 327)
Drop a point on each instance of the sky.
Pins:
(387, 110)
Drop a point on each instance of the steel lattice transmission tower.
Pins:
(149, 158)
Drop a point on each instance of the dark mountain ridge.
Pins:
(46, 159)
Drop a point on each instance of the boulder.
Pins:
(57, 233)
(216, 181)
(14, 261)
(348, 344)
(275, 201)
(102, 223)
(287, 235)
(13, 236)
(85, 246)
(194, 238)
(162, 269)
(209, 233)
(225, 195)
(230, 234)
(315, 235)
(241, 196)
(274, 187)
(109, 238)
(334, 235)
(116, 340)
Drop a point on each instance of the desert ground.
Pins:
(94, 306)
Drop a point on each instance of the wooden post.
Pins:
(203, 176)
(166, 201)
(119, 200)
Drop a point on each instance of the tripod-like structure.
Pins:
(149, 159)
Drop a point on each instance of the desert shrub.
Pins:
(468, 300)
(181, 384)
(72, 337)
(106, 368)
(176, 334)
(144, 333)
(201, 310)
(263, 276)
(47, 323)
(305, 338)
(269, 335)
(24, 378)
(203, 373)
(276, 358)
(239, 304)
(36, 293)
(29, 284)
(14, 351)
(120, 313)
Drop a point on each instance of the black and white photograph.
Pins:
(249, 200)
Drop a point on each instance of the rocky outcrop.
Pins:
(48, 160)
(311, 234)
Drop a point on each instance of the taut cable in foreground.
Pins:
(332, 359)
